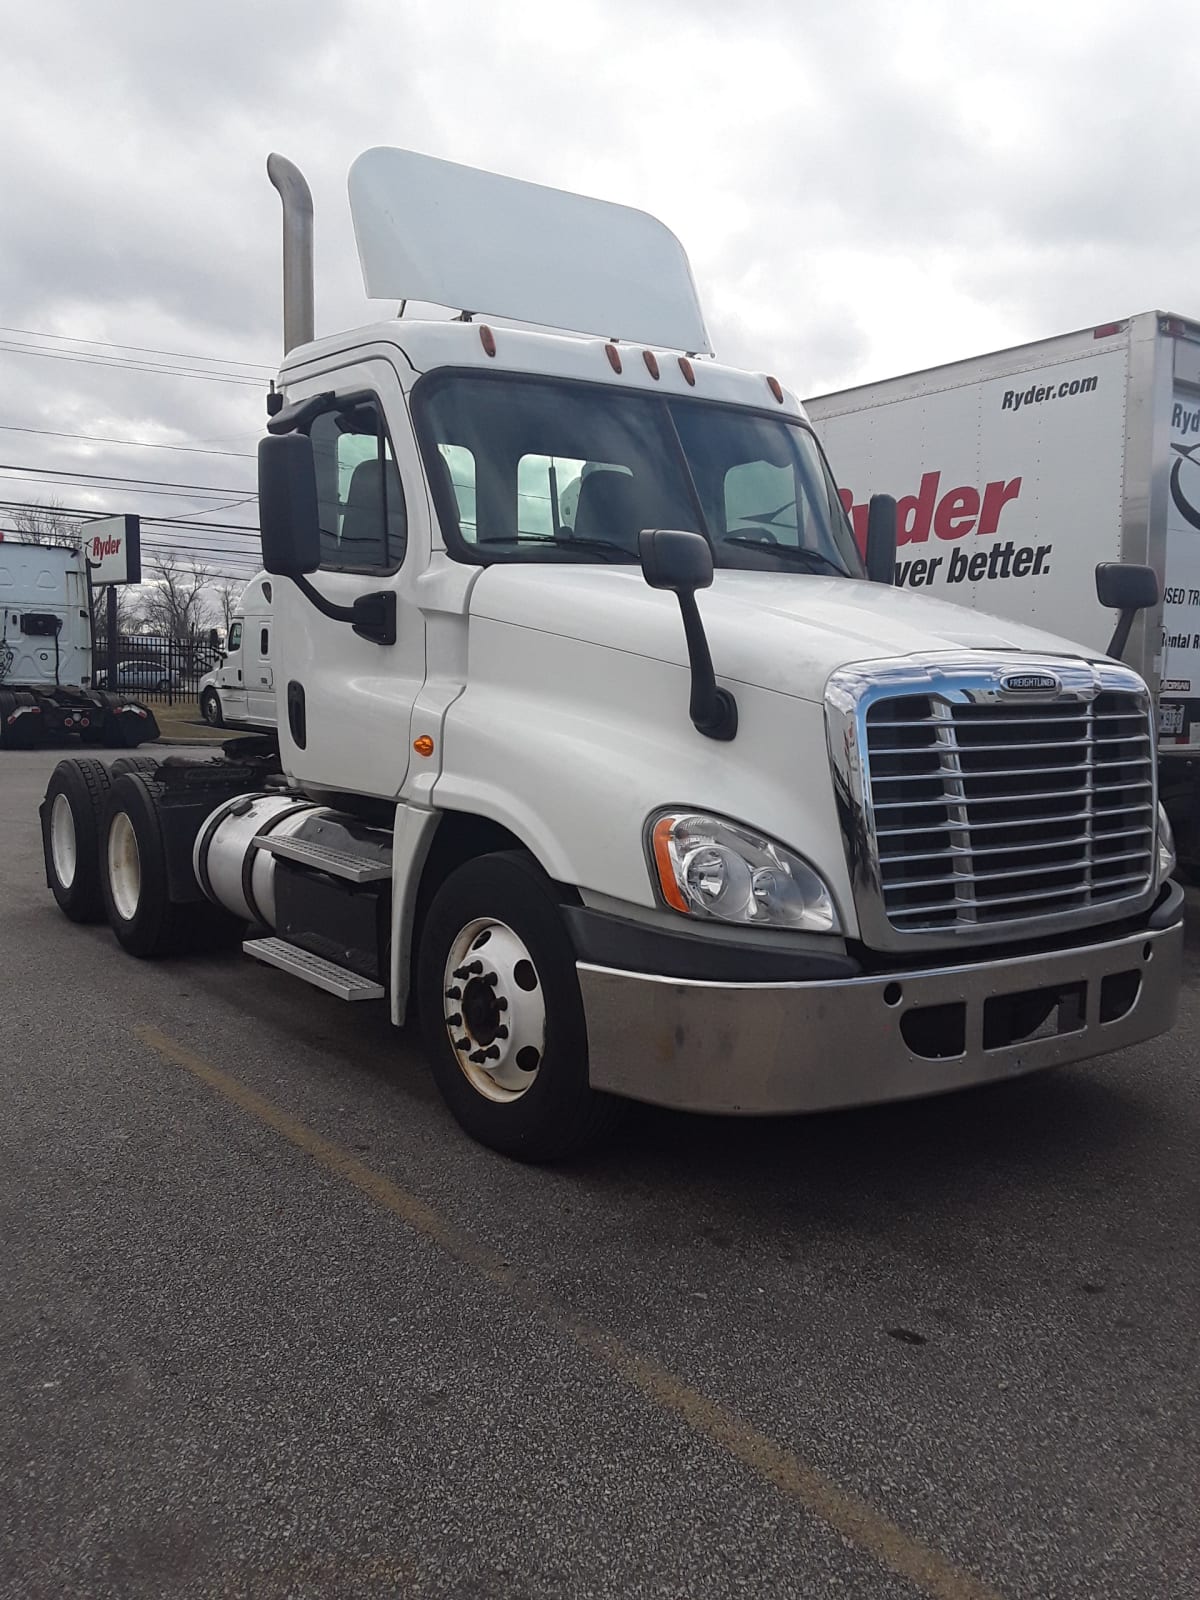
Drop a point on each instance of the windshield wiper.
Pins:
(599, 545)
(792, 552)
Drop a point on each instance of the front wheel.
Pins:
(210, 708)
(502, 1015)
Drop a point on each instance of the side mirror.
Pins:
(287, 505)
(1127, 589)
(881, 539)
(675, 559)
(214, 639)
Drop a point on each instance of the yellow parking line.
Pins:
(856, 1521)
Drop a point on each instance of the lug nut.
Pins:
(455, 1020)
(453, 994)
(463, 1044)
(502, 1033)
(491, 979)
(471, 970)
(501, 1003)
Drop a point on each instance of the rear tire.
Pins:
(502, 1014)
(24, 731)
(134, 882)
(134, 764)
(71, 817)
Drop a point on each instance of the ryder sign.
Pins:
(113, 547)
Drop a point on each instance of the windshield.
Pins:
(547, 470)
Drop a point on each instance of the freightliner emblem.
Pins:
(1030, 683)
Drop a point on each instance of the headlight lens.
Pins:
(1166, 845)
(710, 868)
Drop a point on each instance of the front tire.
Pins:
(210, 708)
(71, 816)
(502, 1014)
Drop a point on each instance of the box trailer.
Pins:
(1018, 471)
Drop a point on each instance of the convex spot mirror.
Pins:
(287, 505)
(673, 558)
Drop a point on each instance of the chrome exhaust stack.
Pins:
(298, 311)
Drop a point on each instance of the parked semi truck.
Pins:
(46, 656)
(1019, 470)
(240, 691)
(600, 747)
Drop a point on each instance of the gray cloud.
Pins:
(863, 189)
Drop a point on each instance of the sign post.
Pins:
(112, 548)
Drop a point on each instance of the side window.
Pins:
(461, 466)
(761, 498)
(364, 524)
(235, 637)
(264, 642)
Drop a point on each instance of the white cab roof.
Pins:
(434, 231)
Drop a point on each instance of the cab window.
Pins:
(364, 525)
(235, 637)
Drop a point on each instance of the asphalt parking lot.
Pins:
(270, 1326)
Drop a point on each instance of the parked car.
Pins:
(141, 673)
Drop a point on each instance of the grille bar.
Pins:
(1065, 823)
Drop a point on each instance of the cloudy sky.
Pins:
(864, 188)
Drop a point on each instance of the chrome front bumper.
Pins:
(760, 1048)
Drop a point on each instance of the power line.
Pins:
(83, 359)
(142, 444)
(88, 514)
(147, 350)
(95, 477)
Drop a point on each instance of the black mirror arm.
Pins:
(713, 710)
(1120, 638)
(372, 616)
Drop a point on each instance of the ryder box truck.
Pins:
(1016, 472)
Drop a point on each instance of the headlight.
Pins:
(710, 868)
(1166, 845)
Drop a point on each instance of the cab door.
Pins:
(231, 685)
(345, 702)
(260, 679)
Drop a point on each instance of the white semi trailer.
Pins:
(806, 841)
(46, 685)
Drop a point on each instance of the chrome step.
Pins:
(338, 863)
(316, 970)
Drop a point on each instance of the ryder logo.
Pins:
(1185, 473)
(99, 548)
(950, 515)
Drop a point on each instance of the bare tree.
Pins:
(46, 523)
(228, 595)
(174, 602)
(129, 611)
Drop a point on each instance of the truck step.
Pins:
(338, 863)
(322, 974)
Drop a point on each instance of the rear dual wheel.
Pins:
(71, 816)
(134, 881)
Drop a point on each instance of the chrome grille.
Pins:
(989, 809)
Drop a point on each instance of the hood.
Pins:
(781, 631)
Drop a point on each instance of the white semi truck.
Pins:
(598, 747)
(46, 683)
(240, 691)
(1019, 470)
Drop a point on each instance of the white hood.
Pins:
(780, 631)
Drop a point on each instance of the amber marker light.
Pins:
(424, 745)
(671, 891)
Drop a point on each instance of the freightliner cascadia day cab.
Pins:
(46, 677)
(1019, 470)
(240, 691)
(598, 747)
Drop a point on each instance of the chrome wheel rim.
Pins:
(63, 850)
(124, 866)
(494, 1010)
(209, 708)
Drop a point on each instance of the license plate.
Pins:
(1170, 717)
